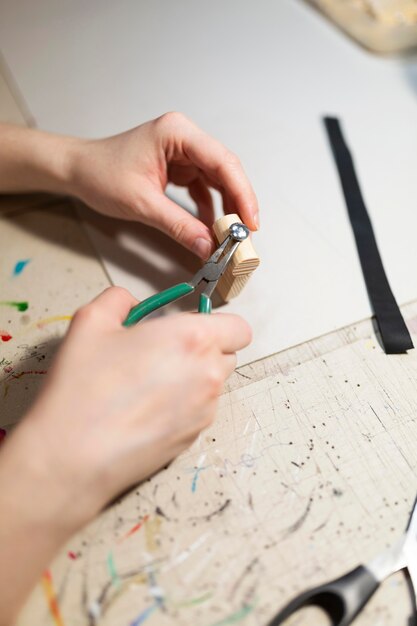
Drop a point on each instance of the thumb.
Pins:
(176, 222)
(108, 310)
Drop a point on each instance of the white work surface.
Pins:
(259, 76)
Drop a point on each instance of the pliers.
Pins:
(209, 274)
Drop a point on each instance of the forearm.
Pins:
(35, 521)
(31, 160)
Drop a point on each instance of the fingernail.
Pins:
(202, 248)
(256, 220)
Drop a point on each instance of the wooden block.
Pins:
(243, 263)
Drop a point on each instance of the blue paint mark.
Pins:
(195, 478)
(20, 266)
(144, 615)
(194, 483)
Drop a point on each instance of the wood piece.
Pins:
(243, 263)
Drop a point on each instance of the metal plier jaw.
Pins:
(209, 274)
(216, 265)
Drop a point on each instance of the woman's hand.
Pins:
(126, 175)
(118, 404)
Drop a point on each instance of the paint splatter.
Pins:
(298, 523)
(94, 611)
(5, 336)
(71, 555)
(111, 566)
(31, 372)
(152, 527)
(20, 306)
(154, 589)
(218, 511)
(144, 615)
(20, 266)
(103, 603)
(52, 320)
(199, 467)
(195, 478)
(3, 434)
(51, 598)
(236, 617)
(194, 601)
(134, 529)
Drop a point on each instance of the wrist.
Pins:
(37, 494)
(55, 159)
(32, 160)
(36, 520)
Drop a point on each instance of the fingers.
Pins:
(225, 168)
(176, 222)
(109, 309)
(231, 332)
(228, 332)
(228, 364)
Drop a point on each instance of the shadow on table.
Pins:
(134, 251)
(21, 380)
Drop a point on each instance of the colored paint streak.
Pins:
(152, 527)
(20, 266)
(51, 598)
(111, 566)
(195, 478)
(3, 434)
(71, 555)
(154, 589)
(52, 320)
(134, 529)
(20, 306)
(144, 615)
(126, 585)
(236, 617)
(5, 336)
(30, 372)
(195, 601)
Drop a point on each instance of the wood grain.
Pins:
(244, 261)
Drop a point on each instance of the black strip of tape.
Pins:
(394, 333)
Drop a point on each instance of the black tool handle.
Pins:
(342, 599)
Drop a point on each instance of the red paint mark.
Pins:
(72, 555)
(3, 434)
(8, 369)
(5, 336)
(135, 528)
(20, 374)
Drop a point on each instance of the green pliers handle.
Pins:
(161, 299)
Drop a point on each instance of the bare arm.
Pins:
(126, 175)
(31, 160)
(87, 438)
